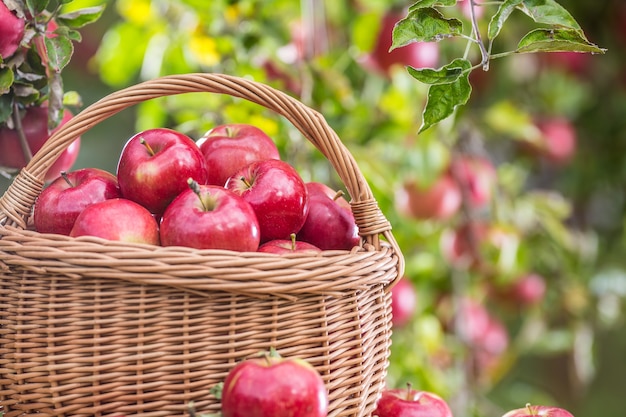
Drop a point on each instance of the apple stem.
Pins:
(196, 189)
(28, 153)
(338, 195)
(409, 386)
(66, 178)
(147, 145)
(246, 182)
(530, 410)
(293, 241)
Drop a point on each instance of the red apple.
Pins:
(559, 140)
(59, 204)
(477, 176)
(525, 290)
(403, 302)
(11, 31)
(154, 166)
(411, 402)
(274, 387)
(538, 411)
(277, 194)
(330, 223)
(439, 200)
(35, 127)
(416, 55)
(575, 63)
(281, 246)
(229, 148)
(210, 217)
(117, 219)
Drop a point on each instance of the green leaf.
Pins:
(562, 40)
(421, 4)
(216, 390)
(80, 18)
(59, 50)
(424, 25)
(445, 75)
(72, 98)
(501, 15)
(6, 80)
(35, 7)
(443, 99)
(549, 12)
(6, 107)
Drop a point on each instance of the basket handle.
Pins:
(17, 202)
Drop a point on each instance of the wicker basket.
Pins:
(90, 327)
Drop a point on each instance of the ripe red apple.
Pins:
(330, 222)
(229, 148)
(11, 31)
(117, 219)
(280, 246)
(525, 290)
(559, 140)
(477, 176)
(416, 55)
(154, 166)
(35, 127)
(538, 411)
(277, 194)
(411, 402)
(210, 217)
(59, 204)
(403, 302)
(439, 200)
(274, 387)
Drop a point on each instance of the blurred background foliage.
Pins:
(561, 220)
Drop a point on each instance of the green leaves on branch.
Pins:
(449, 86)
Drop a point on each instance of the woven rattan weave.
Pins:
(90, 327)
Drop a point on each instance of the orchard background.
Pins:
(518, 211)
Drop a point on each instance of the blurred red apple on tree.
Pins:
(477, 178)
(117, 219)
(34, 122)
(403, 302)
(559, 140)
(11, 31)
(439, 200)
(525, 290)
(228, 148)
(59, 204)
(154, 167)
(411, 402)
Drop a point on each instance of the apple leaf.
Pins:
(6, 80)
(424, 25)
(502, 14)
(549, 12)
(445, 75)
(421, 4)
(6, 107)
(59, 50)
(80, 18)
(560, 40)
(35, 7)
(216, 390)
(444, 98)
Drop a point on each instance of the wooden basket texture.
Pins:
(90, 327)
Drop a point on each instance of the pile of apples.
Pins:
(228, 190)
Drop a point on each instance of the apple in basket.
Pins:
(411, 402)
(154, 166)
(210, 217)
(277, 194)
(59, 204)
(117, 219)
(537, 411)
(280, 246)
(230, 147)
(330, 223)
(272, 386)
